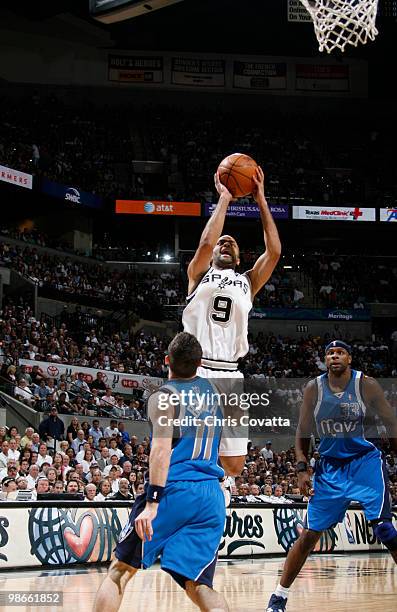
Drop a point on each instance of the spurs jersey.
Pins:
(217, 315)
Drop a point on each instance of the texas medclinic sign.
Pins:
(334, 213)
(158, 207)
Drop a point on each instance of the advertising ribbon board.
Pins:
(157, 207)
(259, 75)
(135, 69)
(198, 72)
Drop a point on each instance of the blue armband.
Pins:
(154, 493)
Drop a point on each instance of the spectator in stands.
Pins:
(43, 456)
(62, 390)
(52, 476)
(114, 449)
(105, 490)
(29, 431)
(42, 486)
(23, 393)
(11, 375)
(4, 454)
(58, 488)
(108, 401)
(73, 428)
(73, 486)
(23, 467)
(112, 462)
(140, 489)
(13, 452)
(8, 486)
(52, 429)
(111, 430)
(99, 383)
(63, 405)
(35, 442)
(36, 376)
(78, 442)
(79, 405)
(96, 432)
(11, 471)
(267, 452)
(87, 460)
(90, 491)
(123, 493)
(33, 475)
(125, 436)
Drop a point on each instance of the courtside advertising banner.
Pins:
(16, 177)
(157, 207)
(49, 534)
(198, 72)
(322, 77)
(118, 381)
(136, 69)
(333, 213)
(71, 194)
(249, 211)
(259, 75)
(389, 215)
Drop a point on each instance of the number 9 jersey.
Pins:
(217, 315)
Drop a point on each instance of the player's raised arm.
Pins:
(210, 236)
(265, 264)
(161, 413)
(303, 436)
(374, 395)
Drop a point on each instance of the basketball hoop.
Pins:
(338, 23)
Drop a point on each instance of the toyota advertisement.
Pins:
(70, 194)
(249, 211)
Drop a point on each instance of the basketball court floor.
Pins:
(354, 583)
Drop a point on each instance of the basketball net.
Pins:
(338, 23)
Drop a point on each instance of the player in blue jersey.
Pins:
(181, 515)
(350, 468)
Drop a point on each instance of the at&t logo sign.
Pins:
(149, 207)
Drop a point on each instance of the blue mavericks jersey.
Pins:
(340, 419)
(198, 430)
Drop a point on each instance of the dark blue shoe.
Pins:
(276, 604)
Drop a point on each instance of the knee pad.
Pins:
(386, 533)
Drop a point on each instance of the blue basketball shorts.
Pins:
(187, 532)
(337, 482)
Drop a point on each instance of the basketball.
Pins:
(236, 172)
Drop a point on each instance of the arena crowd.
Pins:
(108, 464)
(92, 148)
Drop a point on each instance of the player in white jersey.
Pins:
(220, 299)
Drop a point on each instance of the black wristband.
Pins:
(154, 493)
(301, 466)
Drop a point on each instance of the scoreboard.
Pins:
(112, 11)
